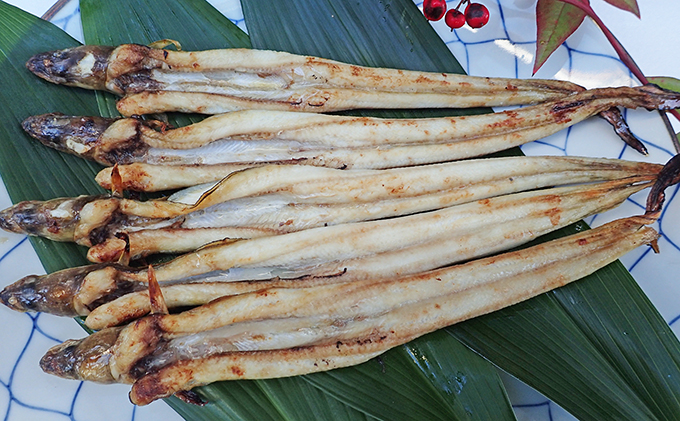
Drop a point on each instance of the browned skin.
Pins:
(61, 66)
(613, 116)
(164, 382)
(129, 74)
(54, 293)
(35, 217)
(149, 386)
(55, 130)
(36, 293)
(85, 359)
(137, 346)
(128, 71)
(669, 175)
(58, 131)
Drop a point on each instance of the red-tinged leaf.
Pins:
(627, 5)
(555, 22)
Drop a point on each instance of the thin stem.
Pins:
(462, 2)
(667, 123)
(627, 59)
(56, 8)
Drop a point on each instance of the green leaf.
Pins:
(555, 22)
(627, 5)
(272, 399)
(598, 347)
(147, 22)
(666, 82)
(587, 380)
(434, 377)
(21, 159)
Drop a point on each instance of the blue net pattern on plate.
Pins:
(503, 48)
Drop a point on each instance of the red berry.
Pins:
(454, 19)
(434, 9)
(476, 15)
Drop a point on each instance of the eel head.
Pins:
(53, 293)
(75, 135)
(84, 66)
(83, 359)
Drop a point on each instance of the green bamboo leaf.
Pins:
(596, 333)
(597, 347)
(555, 22)
(283, 402)
(381, 34)
(627, 5)
(22, 159)
(276, 399)
(147, 22)
(586, 380)
(433, 377)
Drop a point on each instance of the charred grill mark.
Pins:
(118, 149)
(154, 385)
(101, 233)
(561, 107)
(123, 287)
(613, 116)
(669, 175)
(148, 363)
(126, 153)
(101, 62)
(555, 215)
(238, 371)
(146, 337)
(133, 83)
(512, 121)
(131, 58)
(191, 397)
(319, 99)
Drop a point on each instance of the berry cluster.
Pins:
(476, 14)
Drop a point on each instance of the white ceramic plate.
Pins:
(504, 47)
